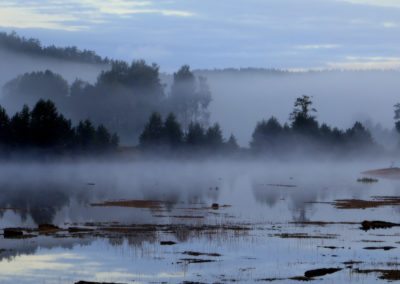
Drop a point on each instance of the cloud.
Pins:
(389, 24)
(373, 58)
(379, 3)
(371, 65)
(123, 7)
(19, 17)
(318, 46)
(74, 15)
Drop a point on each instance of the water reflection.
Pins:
(256, 229)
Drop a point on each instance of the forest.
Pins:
(304, 135)
(33, 47)
(121, 99)
(132, 101)
(44, 130)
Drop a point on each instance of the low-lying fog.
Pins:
(281, 219)
(14, 64)
(42, 193)
(241, 99)
(341, 98)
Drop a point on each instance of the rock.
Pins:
(215, 206)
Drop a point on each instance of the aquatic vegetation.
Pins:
(367, 180)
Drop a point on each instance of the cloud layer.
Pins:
(225, 33)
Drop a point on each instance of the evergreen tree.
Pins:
(214, 138)
(114, 140)
(49, 128)
(86, 137)
(4, 127)
(303, 122)
(20, 127)
(103, 138)
(231, 144)
(266, 135)
(359, 136)
(153, 132)
(195, 135)
(173, 131)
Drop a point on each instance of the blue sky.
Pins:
(292, 34)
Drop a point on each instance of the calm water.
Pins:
(261, 229)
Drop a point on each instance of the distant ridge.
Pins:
(283, 71)
(31, 46)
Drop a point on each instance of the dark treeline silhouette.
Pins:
(32, 46)
(159, 136)
(43, 129)
(305, 134)
(122, 98)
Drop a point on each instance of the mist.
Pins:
(240, 99)
(14, 64)
(116, 171)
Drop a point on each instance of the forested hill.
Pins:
(13, 42)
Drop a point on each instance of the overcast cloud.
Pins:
(225, 33)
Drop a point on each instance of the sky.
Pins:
(289, 34)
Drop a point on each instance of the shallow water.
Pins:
(274, 221)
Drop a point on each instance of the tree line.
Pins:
(303, 134)
(122, 98)
(168, 135)
(44, 128)
(33, 46)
